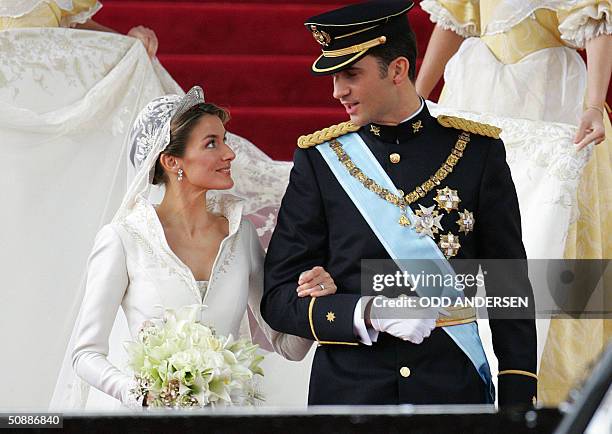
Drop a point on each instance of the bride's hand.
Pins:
(147, 37)
(316, 283)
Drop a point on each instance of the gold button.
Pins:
(405, 372)
(395, 158)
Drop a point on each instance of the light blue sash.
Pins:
(403, 242)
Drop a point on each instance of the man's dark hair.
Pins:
(399, 44)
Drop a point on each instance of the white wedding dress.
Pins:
(132, 266)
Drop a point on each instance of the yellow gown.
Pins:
(520, 35)
(52, 14)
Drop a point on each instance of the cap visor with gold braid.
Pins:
(346, 34)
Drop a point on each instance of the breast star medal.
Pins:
(449, 244)
(427, 221)
(447, 199)
(466, 221)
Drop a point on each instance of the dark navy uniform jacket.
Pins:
(318, 224)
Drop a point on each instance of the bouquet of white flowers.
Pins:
(181, 363)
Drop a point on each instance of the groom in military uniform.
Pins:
(393, 183)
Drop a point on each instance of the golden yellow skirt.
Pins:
(573, 344)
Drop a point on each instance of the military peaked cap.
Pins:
(346, 34)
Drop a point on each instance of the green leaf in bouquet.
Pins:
(162, 371)
(207, 375)
(188, 378)
(254, 366)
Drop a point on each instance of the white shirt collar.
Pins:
(419, 110)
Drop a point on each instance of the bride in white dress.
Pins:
(192, 248)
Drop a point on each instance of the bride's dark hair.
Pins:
(180, 130)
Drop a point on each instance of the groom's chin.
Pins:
(358, 120)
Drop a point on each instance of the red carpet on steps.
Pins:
(252, 57)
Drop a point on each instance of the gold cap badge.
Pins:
(321, 36)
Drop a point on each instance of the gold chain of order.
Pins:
(419, 192)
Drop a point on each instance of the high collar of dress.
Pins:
(408, 129)
(226, 204)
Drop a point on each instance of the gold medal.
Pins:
(449, 244)
(466, 221)
(403, 220)
(447, 199)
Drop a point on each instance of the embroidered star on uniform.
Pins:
(427, 221)
(416, 126)
(447, 199)
(375, 130)
(449, 244)
(330, 316)
(466, 221)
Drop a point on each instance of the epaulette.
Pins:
(469, 126)
(326, 134)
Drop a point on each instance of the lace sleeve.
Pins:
(585, 20)
(460, 16)
(82, 10)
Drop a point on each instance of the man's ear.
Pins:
(170, 163)
(399, 70)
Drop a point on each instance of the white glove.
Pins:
(415, 328)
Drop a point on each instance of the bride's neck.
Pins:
(184, 210)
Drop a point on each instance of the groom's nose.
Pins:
(340, 88)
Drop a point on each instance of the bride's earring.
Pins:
(180, 175)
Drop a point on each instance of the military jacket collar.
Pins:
(403, 132)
